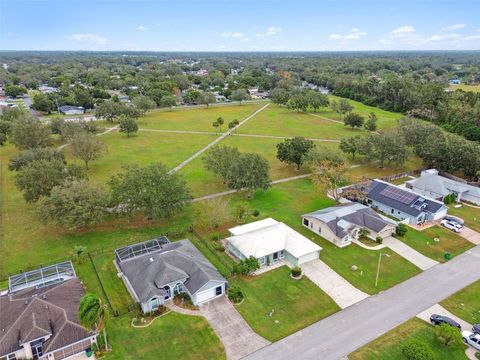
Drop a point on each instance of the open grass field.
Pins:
(389, 345)
(465, 303)
(173, 336)
(423, 241)
(295, 303)
(464, 87)
(196, 119)
(469, 214)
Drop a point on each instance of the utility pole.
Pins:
(378, 267)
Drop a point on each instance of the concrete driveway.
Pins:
(339, 289)
(470, 235)
(440, 310)
(412, 255)
(236, 335)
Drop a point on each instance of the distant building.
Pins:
(44, 88)
(455, 82)
(71, 110)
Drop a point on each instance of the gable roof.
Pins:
(33, 313)
(402, 199)
(343, 218)
(267, 236)
(179, 261)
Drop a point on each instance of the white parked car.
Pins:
(450, 225)
(471, 339)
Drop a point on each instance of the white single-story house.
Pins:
(431, 184)
(270, 241)
(71, 110)
(404, 204)
(342, 224)
(155, 271)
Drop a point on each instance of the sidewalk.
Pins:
(405, 251)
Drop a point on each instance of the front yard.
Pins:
(465, 303)
(425, 243)
(293, 304)
(469, 214)
(389, 345)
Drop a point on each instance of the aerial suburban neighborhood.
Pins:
(288, 180)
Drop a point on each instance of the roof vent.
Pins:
(44, 296)
(151, 259)
(26, 302)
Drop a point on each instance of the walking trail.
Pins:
(217, 140)
(102, 133)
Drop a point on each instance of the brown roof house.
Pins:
(38, 317)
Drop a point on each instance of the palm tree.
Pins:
(91, 313)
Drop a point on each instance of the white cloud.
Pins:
(454, 27)
(472, 37)
(141, 28)
(88, 38)
(245, 39)
(403, 30)
(354, 34)
(442, 37)
(235, 34)
(271, 31)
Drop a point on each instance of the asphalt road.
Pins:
(342, 333)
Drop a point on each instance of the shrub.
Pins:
(379, 239)
(363, 233)
(448, 335)
(296, 271)
(417, 350)
(215, 236)
(401, 229)
(449, 199)
(255, 213)
(218, 246)
(235, 294)
(245, 267)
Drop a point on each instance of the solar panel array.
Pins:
(142, 248)
(400, 195)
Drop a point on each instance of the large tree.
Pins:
(351, 145)
(92, 314)
(385, 148)
(38, 178)
(128, 125)
(294, 150)
(74, 204)
(371, 123)
(354, 120)
(240, 95)
(249, 172)
(28, 132)
(143, 104)
(220, 160)
(206, 98)
(22, 159)
(152, 191)
(87, 148)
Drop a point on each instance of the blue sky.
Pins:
(240, 25)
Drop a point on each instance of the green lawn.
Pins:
(279, 121)
(296, 303)
(469, 214)
(199, 119)
(464, 87)
(389, 345)
(423, 241)
(288, 201)
(465, 303)
(172, 336)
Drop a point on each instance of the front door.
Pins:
(275, 256)
(37, 349)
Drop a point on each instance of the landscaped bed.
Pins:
(275, 305)
(389, 345)
(425, 243)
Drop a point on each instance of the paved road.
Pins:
(342, 333)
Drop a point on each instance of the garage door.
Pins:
(308, 257)
(205, 295)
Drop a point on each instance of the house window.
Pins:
(37, 348)
(9, 357)
(282, 254)
(154, 304)
(319, 230)
(218, 290)
(305, 222)
(169, 294)
(392, 211)
(261, 260)
(177, 289)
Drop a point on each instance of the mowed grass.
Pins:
(465, 303)
(142, 149)
(469, 214)
(279, 121)
(173, 336)
(295, 303)
(389, 345)
(424, 242)
(198, 119)
(288, 201)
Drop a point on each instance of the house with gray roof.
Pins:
(39, 318)
(431, 184)
(342, 224)
(71, 110)
(404, 204)
(156, 270)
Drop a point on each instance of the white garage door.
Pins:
(205, 295)
(308, 257)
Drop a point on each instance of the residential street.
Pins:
(342, 333)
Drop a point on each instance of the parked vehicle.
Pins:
(450, 226)
(476, 328)
(436, 319)
(454, 219)
(471, 339)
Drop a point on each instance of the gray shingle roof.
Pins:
(377, 193)
(340, 219)
(32, 313)
(177, 261)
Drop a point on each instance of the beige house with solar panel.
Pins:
(404, 204)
